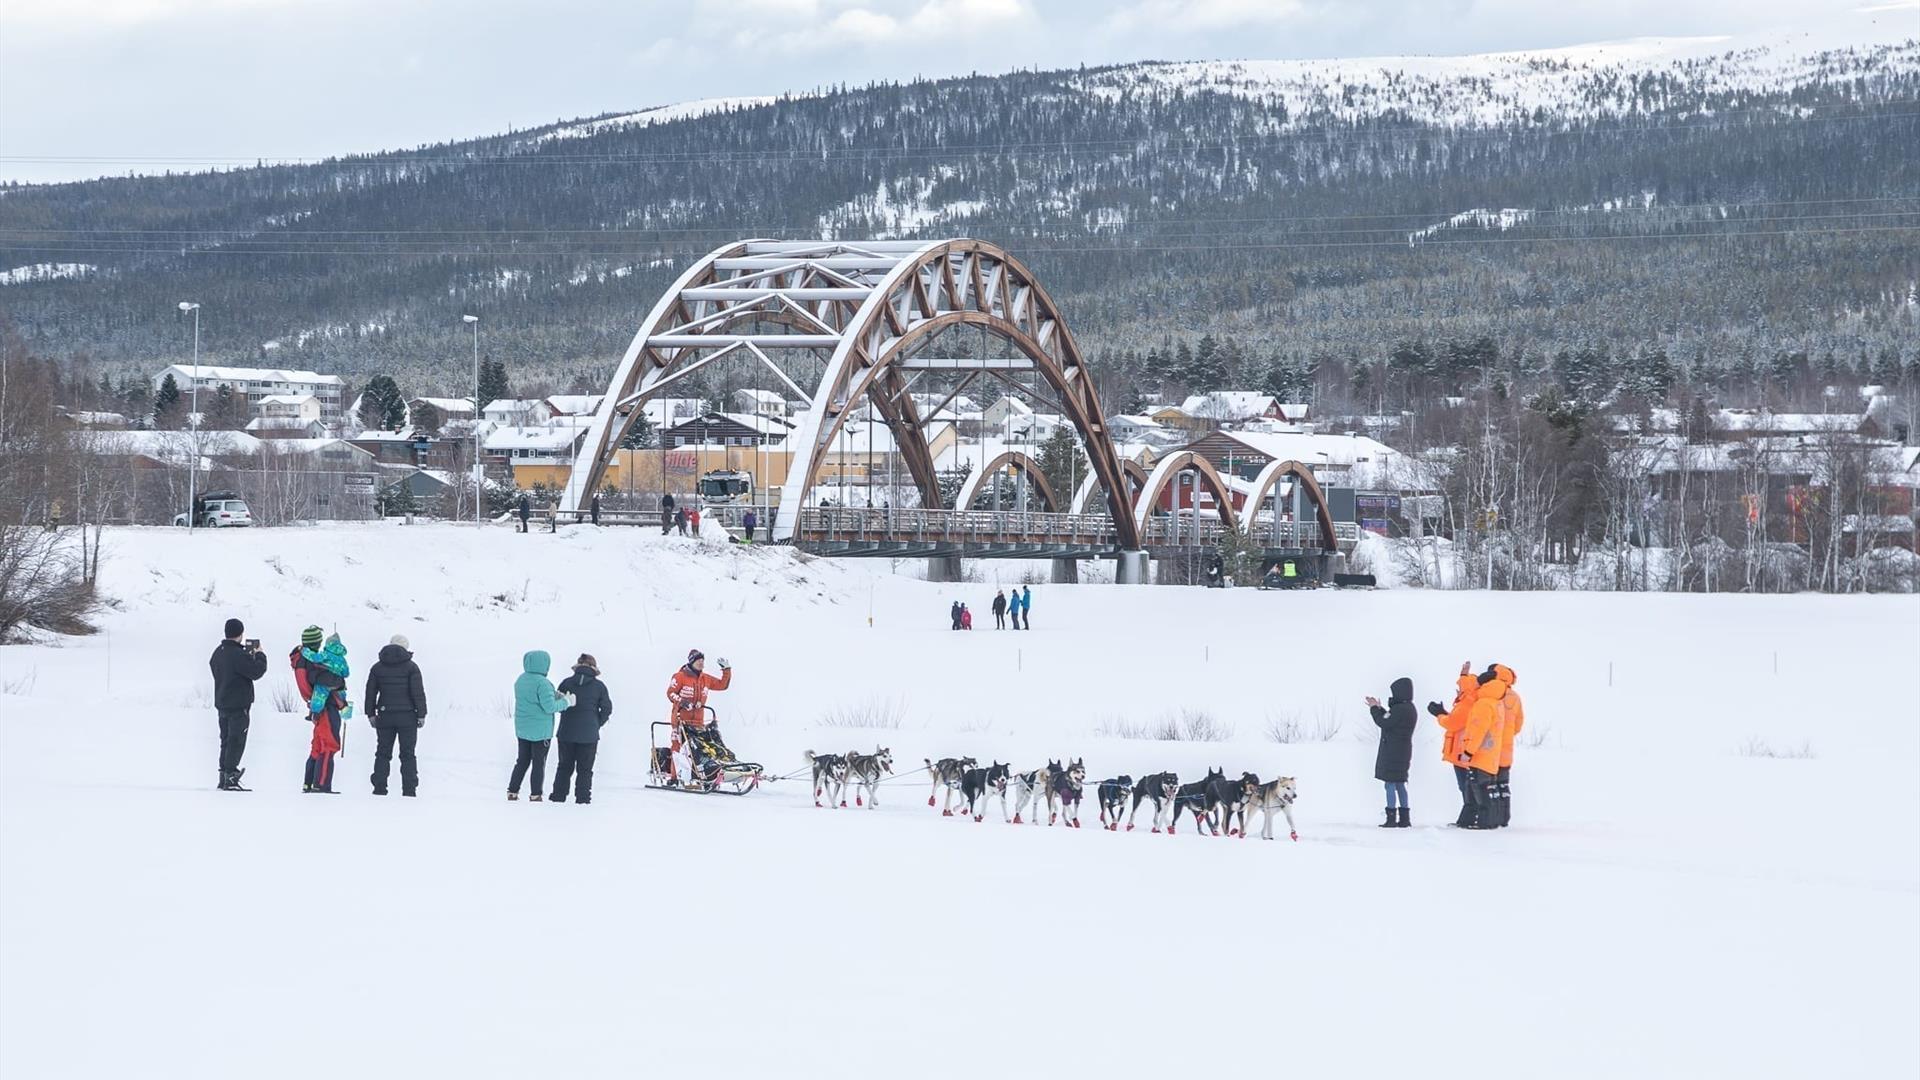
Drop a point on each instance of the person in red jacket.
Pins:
(687, 711)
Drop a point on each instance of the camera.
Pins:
(253, 644)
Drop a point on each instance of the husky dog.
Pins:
(1113, 800)
(1161, 788)
(1199, 799)
(865, 770)
(1032, 788)
(829, 775)
(1067, 786)
(1232, 798)
(946, 774)
(1268, 797)
(978, 784)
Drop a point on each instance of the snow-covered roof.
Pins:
(213, 372)
(759, 397)
(176, 446)
(514, 405)
(1783, 423)
(1228, 405)
(314, 446)
(288, 399)
(447, 404)
(1135, 420)
(575, 404)
(1313, 448)
(376, 435)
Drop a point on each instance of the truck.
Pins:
(726, 487)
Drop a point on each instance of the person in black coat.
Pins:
(1396, 721)
(579, 731)
(396, 703)
(236, 666)
(526, 511)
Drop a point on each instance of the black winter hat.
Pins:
(235, 628)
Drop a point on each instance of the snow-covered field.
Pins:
(1668, 903)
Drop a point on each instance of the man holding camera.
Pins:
(236, 666)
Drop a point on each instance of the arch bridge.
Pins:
(868, 328)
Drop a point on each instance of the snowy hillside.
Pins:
(1605, 79)
(1713, 869)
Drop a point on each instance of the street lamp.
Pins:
(478, 466)
(193, 413)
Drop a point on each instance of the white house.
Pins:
(518, 412)
(760, 403)
(1008, 409)
(256, 383)
(531, 445)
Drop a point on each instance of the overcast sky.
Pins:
(113, 85)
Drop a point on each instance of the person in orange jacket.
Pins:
(1453, 721)
(1480, 744)
(687, 706)
(1516, 719)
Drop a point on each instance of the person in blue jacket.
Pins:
(534, 706)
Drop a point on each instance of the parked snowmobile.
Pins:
(717, 771)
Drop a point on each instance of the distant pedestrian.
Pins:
(320, 673)
(526, 511)
(1515, 715)
(1026, 607)
(966, 618)
(236, 664)
(553, 518)
(593, 508)
(693, 520)
(680, 521)
(1000, 610)
(396, 704)
(953, 615)
(1396, 721)
(579, 734)
(747, 522)
(535, 703)
(1453, 722)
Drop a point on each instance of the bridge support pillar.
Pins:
(1066, 571)
(1131, 568)
(944, 568)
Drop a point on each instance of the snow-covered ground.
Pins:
(1669, 902)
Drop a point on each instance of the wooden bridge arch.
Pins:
(976, 481)
(1173, 465)
(867, 307)
(1265, 482)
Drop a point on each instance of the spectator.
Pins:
(579, 734)
(593, 508)
(396, 703)
(747, 521)
(534, 706)
(1396, 721)
(1000, 610)
(236, 666)
(1026, 607)
(526, 511)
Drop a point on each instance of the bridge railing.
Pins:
(912, 525)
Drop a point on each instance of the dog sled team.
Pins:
(1058, 789)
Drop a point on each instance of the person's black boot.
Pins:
(1406, 820)
(1390, 823)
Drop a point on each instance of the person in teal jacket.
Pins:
(535, 702)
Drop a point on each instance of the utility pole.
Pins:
(478, 467)
(193, 415)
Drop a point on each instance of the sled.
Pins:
(725, 774)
